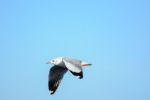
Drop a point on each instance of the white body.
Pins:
(71, 64)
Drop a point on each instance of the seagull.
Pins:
(61, 66)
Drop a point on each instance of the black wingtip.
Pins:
(80, 74)
(81, 77)
(52, 87)
(52, 92)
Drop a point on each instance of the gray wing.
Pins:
(74, 67)
(56, 74)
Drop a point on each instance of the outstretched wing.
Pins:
(56, 74)
(74, 66)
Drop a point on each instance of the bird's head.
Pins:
(56, 61)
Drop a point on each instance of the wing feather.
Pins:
(56, 74)
(74, 66)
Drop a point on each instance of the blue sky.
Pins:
(113, 35)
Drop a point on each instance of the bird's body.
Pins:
(61, 66)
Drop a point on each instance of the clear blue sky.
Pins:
(114, 35)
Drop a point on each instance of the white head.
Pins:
(56, 61)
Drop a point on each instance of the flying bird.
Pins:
(61, 66)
